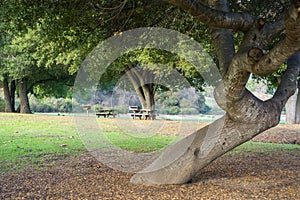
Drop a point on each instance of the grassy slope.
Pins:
(33, 140)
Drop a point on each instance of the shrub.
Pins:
(121, 109)
(189, 111)
(172, 110)
(50, 104)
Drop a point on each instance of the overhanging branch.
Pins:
(216, 18)
(270, 62)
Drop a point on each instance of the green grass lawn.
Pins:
(35, 140)
(29, 140)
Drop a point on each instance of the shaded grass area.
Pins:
(36, 140)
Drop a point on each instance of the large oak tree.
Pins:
(260, 52)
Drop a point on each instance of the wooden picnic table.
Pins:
(135, 112)
(106, 113)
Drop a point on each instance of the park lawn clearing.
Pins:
(35, 140)
(32, 140)
(43, 157)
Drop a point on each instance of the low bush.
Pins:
(50, 104)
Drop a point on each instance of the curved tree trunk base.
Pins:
(180, 162)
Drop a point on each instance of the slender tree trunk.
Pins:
(24, 102)
(291, 107)
(12, 94)
(297, 121)
(9, 104)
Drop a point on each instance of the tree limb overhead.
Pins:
(216, 18)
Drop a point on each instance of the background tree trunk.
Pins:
(298, 108)
(12, 94)
(24, 102)
(8, 96)
(147, 97)
(143, 83)
(291, 108)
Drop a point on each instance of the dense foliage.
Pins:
(45, 43)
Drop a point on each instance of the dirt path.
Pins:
(249, 175)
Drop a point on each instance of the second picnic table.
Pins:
(134, 112)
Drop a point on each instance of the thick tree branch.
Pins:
(223, 40)
(215, 18)
(271, 31)
(284, 49)
(288, 83)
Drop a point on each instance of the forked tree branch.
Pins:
(270, 62)
(271, 31)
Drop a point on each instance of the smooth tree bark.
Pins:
(297, 121)
(24, 102)
(246, 115)
(293, 109)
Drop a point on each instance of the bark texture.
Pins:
(24, 102)
(246, 115)
(180, 162)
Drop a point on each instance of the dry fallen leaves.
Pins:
(275, 175)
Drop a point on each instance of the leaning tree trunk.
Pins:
(180, 162)
(24, 102)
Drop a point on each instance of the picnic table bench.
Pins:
(135, 112)
(106, 113)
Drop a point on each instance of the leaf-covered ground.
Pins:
(249, 174)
